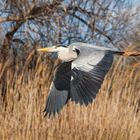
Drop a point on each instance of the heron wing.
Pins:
(59, 89)
(87, 76)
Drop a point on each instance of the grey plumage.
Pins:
(80, 75)
(55, 101)
(86, 84)
(59, 89)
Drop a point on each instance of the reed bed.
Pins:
(114, 115)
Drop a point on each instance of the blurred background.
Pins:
(25, 75)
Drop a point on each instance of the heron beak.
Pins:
(51, 49)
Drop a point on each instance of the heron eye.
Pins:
(76, 50)
(58, 45)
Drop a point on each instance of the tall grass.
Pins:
(114, 115)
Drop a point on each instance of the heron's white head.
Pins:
(65, 54)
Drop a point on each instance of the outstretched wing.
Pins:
(81, 82)
(87, 75)
(59, 89)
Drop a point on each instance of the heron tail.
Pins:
(127, 53)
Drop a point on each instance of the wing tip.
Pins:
(83, 103)
(50, 114)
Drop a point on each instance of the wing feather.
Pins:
(88, 78)
(59, 89)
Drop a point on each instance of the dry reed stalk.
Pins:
(113, 115)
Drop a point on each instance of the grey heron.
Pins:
(80, 75)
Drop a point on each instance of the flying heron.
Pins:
(80, 75)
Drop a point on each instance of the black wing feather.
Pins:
(59, 90)
(87, 84)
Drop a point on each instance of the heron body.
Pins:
(80, 75)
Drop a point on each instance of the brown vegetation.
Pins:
(25, 76)
(113, 115)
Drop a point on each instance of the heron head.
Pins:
(65, 54)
